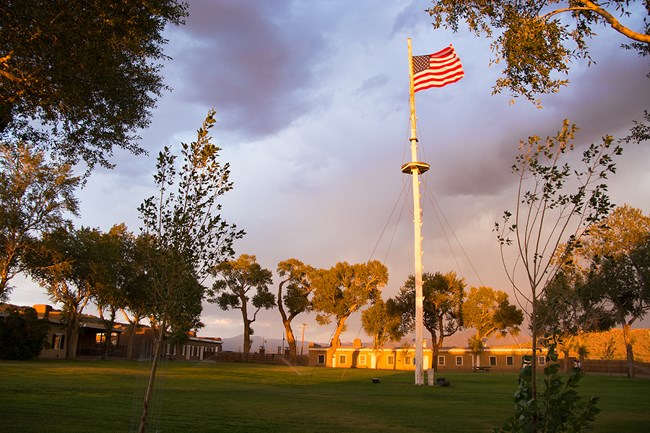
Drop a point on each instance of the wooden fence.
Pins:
(614, 367)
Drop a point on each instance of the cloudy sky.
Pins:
(312, 114)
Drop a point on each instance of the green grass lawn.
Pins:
(95, 396)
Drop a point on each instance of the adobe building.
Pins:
(92, 338)
(505, 358)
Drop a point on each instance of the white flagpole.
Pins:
(415, 168)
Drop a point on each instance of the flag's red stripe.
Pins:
(444, 52)
(440, 71)
(429, 85)
(430, 78)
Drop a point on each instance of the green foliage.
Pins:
(184, 238)
(558, 409)
(262, 398)
(382, 321)
(558, 201)
(538, 42)
(35, 197)
(443, 297)
(295, 277)
(489, 311)
(345, 289)
(185, 235)
(22, 334)
(242, 281)
(85, 72)
(568, 308)
(618, 278)
(64, 264)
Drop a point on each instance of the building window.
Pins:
(493, 360)
(343, 359)
(100, 338)
(362, 359)
(542, 360)
(408, 360)
(459, 360)
(510, 360)
(391, 359)
(441, 360)
(321, 359)
(58, 341)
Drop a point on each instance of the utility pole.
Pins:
(302, 345)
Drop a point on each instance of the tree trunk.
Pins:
(108, 334)
(291, 340)
(131, 330)
(434, 361)
(247, 328)
(68, 342)
(533, 364)
(436, 342)
(286, 321)
(4, 278)
(129, 347)
(152, 375)
(628, 351)
(335, 341)
(72, 335)
(437, 345)
(567, 365)
(247, 338)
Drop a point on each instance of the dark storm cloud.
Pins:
(411, 16)
(255, 61)
(376, 82)
(602, 99)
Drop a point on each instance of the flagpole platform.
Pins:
(421, 167)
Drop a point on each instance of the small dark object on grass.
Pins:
(375, 380)
(443, 382)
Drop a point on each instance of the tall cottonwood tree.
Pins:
(186, 238)
(558, 200)
(63, 264)
(489, 312)
(537, 40)
(293, 296)
(443, 296)
(382, 321)
(619, 273)
(342, 290)
(137, 302)
(112, 269)
(82, 76)
(243, 281)
(36, 197)
(569, 309)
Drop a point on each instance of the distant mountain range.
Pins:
(272, 345)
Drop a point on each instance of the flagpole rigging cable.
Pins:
(415, 168)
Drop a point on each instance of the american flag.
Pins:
(437, 69)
